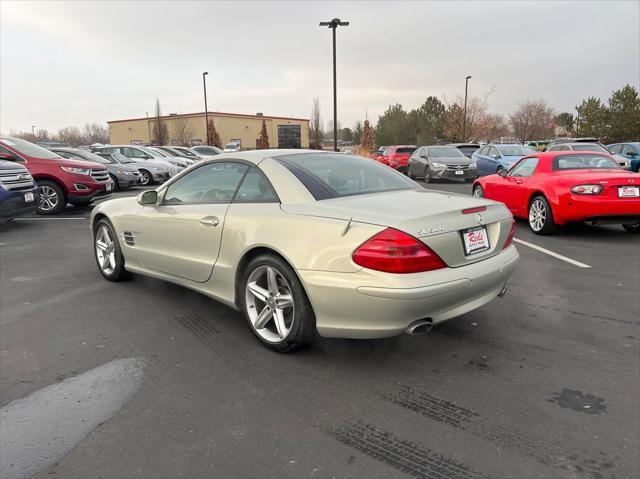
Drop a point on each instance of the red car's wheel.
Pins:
(632, 228)
(541, 217)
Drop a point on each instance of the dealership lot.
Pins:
(541, 383)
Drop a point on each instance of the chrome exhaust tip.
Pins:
(503, 291)
(421, 326)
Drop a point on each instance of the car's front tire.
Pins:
(108, 253)
(634, 229)
(275, 304)
(541, 217)
(427, 175)
(116, 185)
(146, 178)
(52, 198)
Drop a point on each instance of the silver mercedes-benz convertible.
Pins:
(307, 242)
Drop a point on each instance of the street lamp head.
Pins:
(205, 73)
(334, 23)
(468, 77)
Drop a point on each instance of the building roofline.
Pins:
(216, 113)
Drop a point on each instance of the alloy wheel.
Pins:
(477, 192)
(146, 178)
(269, 303)
(105, 250)
(49, 198)
(537, 215)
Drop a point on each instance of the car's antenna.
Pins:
(346, 229)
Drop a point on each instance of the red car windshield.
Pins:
(30, 149)
(584, 162)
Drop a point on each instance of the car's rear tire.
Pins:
(478, 191)
(52, 198)
(634, 229)
(107, 252)
(275, 304)
(498, 169)
(146, 178)
(541, 217)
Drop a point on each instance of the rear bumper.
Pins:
(370, 304)
(588, 209)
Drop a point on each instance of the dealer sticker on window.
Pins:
(475, 240)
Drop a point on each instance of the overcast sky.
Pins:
(68, 63)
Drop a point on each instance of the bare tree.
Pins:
(532, 120)
(160, 130)
(70, 135)
(316, 127)
(183, 132)
(491, 126)
(95, 133)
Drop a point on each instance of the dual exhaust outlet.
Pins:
(423, 326)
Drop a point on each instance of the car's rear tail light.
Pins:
(587, 189)
(512, 233)
(393, 251)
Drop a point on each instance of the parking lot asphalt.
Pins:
(158, 381)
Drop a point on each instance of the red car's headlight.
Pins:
(587, 189)
(393, 251)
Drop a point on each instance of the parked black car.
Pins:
(18, 191)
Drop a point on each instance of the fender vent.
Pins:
(129, 238)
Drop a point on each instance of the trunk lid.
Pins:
(434, 217)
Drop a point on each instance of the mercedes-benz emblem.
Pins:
(479, 219)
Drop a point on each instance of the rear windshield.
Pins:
(589, 147)
(330, 175)
(30, 149)
(516, 150)
(121, 158)
(467, 150)
(185, 151)
(444, 152)
(408, 149)
(584, 162)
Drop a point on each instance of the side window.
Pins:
(212, 183)
(628, 150)
(484, 151)
(255, 189)
(14, 157)
(615, 148)
(525, 168)
(493, 152)
(134, 153)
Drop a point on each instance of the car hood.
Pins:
(92, 165)
(11, 165)
(451, 160)
(408, 210)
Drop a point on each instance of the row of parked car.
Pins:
(45, 180)
(467, 161)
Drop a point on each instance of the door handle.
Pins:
(210, 221)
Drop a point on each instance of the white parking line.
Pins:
(551, 253)
(48, 219)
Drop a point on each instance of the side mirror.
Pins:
(632, 154)
(7, 156)
(148, 198)
(502, 172)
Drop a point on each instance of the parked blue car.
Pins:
(18, 191)
(495, 157)
(629, 150)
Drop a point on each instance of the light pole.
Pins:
(206, 113)
(333, 24)
(464, 121)
(33, 132)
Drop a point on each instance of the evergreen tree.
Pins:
(213, 136)
(593, 118)
(624, 115)
(263, 142)
(367, 137)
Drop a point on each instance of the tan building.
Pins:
(232, 127)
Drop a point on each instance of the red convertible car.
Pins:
(559, 187)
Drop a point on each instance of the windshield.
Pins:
(120, 158)
(230, 146)
(584, 162)
(343, 175)
(186, 152)
(445, 152)
(589, 147)
(87, 155)
(30, 149)
(406, 150)
(516, 150)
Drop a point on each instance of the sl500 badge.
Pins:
(429, 230)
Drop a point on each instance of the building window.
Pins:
(289, 136)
